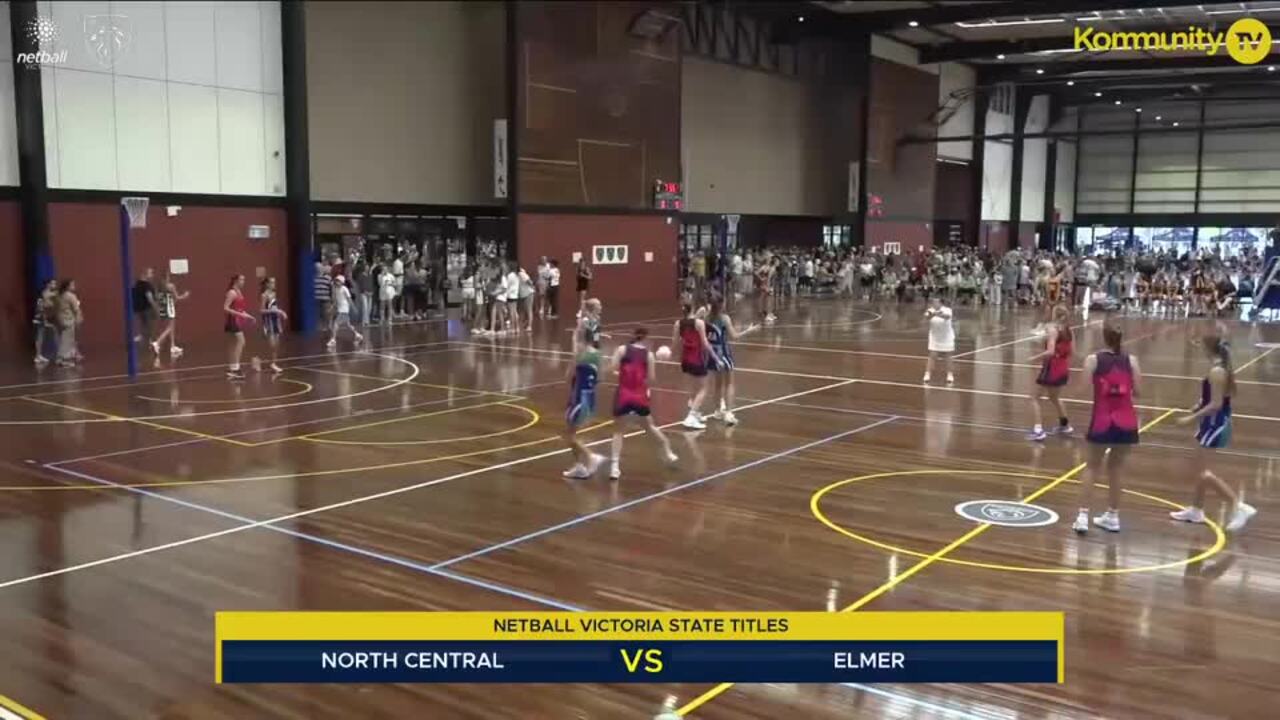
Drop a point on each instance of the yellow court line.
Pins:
(534, 419)
(1245, 366)
(815, 506)
(344, 373)
(145, 423)
(22, 710)
(897, 580)
(399, 464)
(306, 388)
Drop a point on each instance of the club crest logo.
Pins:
(1006, 513)
(107, 37)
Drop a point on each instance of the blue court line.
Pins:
(437, 570)
(392, 559)
(653, 496)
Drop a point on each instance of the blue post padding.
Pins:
(126, 272)
(306, 291)
(44, 267)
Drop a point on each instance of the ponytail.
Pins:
(1221, 349)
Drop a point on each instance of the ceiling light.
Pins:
(1098, 94)
(1007, 23)
(1271, 68)
(1175, 123)
(1070, 83)
(1157, 117)
(801, 18)
(1000, 56)
(1117, 102)
(1039, 71)
(914, 23)
(1137, 109)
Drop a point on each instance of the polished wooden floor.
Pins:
(425, 474)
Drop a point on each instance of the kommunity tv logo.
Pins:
(1247, 41)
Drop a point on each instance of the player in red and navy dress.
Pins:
(636, 370)
(695, 351)
(1055, 371)
(237, 319)
(1113, 427)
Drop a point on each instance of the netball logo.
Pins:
(107, 37)
(1006, 513)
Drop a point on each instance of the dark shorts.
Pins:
(583, 285)
(631, 409)
(694, 369)
(1114, 436)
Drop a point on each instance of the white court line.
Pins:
(207, 413)
(891, 383)
(176, 370)
(363, 499)
(1028, 338)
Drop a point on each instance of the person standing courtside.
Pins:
(144, 307)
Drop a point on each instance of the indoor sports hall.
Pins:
(846, 307)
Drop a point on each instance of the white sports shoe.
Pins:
(730, 418)
(1108, 521)
(1243, 513)
(615, 472)
(577, 472)
(671, 458)
(951, 379)
(927, 377)
(1188, 514)
(1081, 525)
(693, 422)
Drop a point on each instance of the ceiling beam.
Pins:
(940, 15)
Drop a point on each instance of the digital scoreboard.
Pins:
(606, 647)
(668, 195)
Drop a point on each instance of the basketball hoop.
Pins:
(137, 209)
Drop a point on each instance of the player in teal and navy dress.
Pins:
(583, 379)
(1214, 415)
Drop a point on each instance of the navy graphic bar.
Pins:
(611, 661)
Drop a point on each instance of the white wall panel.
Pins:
(955, 77)
(241, 141)
(142, 116)
(145, 56)
(86, 129)
(272, 60)
(8, 117)
(52, 151)
(192, 51)
(193, 137)
(273, 127)
(1064, 185)
(1035, 160)
(153, 120)
(997, 162)
(71, 19)
(239, 45)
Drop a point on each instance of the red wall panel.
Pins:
(15, 310)
(560, 236)
(85, 242)
(912, 234)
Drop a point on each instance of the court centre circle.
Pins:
(815, 506)
(533, 419)
(306, 388)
